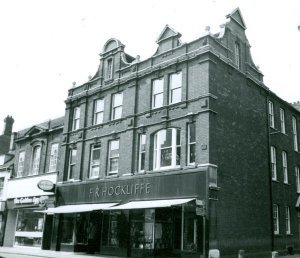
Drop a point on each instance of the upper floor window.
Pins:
(142, 152)
(36, 160)
(297, 179)
(109, 69)
(271, 114)
(287, 220)
(21, 163)
(76, 118)
(275, 219)
(158, 93)
(98, 111)
(191, 143)
(95, 161)
(166, 149)
(237, 52)
(273, 163)
(72, 163)
(2, 179)
(284, 167)
(175, 87)
(117, 104)
(295, 135)
(53, 157)
(113, 157)
(282, 120)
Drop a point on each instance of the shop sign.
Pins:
(46, 185)
(30, 200)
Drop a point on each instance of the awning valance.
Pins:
(76, 208)
(150, 204)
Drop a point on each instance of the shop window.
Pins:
(113, 157)
(1, 186)
(95, 161)
(98, 111)
(21, 163)
(76, 118)
(36, 160)
(273, 163)
(295, 133)
(166, 149)
(53, 157)
(117, 105)
(72, 164)
(67, 229)
(142, 152)
(175, 87)
(158, 93)
(190, 230)
(191, 144)
(29, 228)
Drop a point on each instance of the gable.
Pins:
(237, 17)
(35, 130)
(167, 32)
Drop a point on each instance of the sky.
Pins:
(46, 45)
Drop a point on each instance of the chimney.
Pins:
(8, 125)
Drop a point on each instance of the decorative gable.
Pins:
(236, 16)
(168, 39)
(35, 130)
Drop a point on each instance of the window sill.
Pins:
(275, 181)
(286, 183)
(93, 178)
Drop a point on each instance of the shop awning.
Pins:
(150, 204)
(76, 208)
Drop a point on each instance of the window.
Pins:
(273, 163)
(287, 220)
(237, 52)
(271, 114)
(117, 103)
(53, 157)
(36, 160)
(21, 163)
(1, 186)
(295, 135)
(158, 93)
(76, 118)
(297, 179)
(191, 143)
(175, 87)
(113, 157)
(166, 149)
(284, 167)
(109, 70)
(142, 152)
(95, 161)
(98, 111)
(72, 163)
(275, 219)
(282, 120)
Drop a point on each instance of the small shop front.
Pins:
(157, 215)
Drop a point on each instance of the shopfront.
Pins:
(149, 215)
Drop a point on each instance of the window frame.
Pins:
(21, 168)
(273, 163)
(237, 54)
(36, 160)
(76, 119)
(285, 167)
(2, 186)
(109, 69)
(98, 112)
(191, 144)
(174, 148)
(271, 114)
(276, 219)
(297, 172)
(155, 94)
(282, 121)
(53, 159)
(295, 133)
(94, 147)
(114, 156)
(287, 220)
(114, 107)
(71, 163)
(171, 89)
(142, 151)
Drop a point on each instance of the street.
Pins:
(6, 255)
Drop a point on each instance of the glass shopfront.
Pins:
(29, 228)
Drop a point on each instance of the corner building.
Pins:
(169, 156)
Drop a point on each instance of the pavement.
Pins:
(36, 252)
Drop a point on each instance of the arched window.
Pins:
(36, 160)
(167, 149)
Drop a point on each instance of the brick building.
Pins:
(177, 154)
(36, 159)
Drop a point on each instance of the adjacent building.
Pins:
(36, 162)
